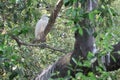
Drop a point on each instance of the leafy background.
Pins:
(19, 17)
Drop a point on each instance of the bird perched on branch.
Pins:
(40, 28)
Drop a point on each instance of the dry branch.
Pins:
(53, 16)
(42, 45)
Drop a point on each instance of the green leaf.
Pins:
(68, 2)
(74, 28)
(90, 55)
(113, 58)
(29, 3)
(109, 10)
(68, 11)
(74, 61)
(80, 31)
(91, 16)
(87, 63)
(13, 1)
(65, 1)
(78, 76)
(103, 7)
(74, 13)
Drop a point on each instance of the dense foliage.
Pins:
(19, 17)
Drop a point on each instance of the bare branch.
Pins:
(53, 16)
(42, 45)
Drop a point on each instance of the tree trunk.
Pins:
(85, 43)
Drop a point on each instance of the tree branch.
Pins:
(53, 16)
(42, 45)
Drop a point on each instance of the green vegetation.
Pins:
(19, 17)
